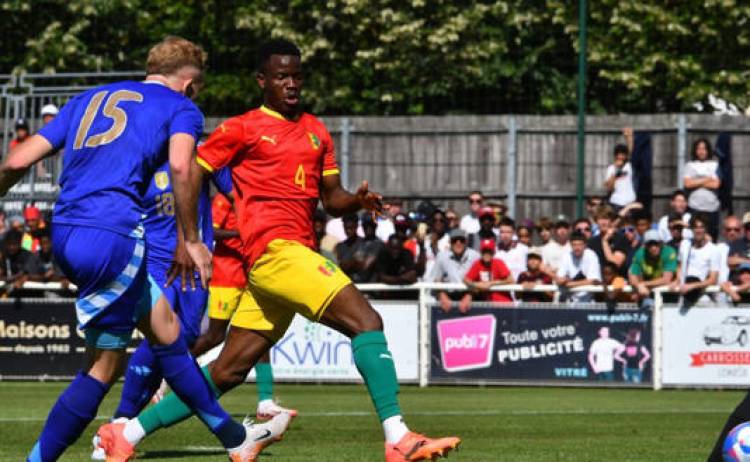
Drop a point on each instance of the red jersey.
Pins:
(277, 165)
(229, 269)
(497, 271)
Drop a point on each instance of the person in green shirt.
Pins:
(654, 265)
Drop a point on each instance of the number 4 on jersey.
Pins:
(299, 177)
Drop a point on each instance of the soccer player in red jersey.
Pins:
(282, 163)
(226, 293)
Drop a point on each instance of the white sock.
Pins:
(395, 429)
(264, 405)
(133, 431)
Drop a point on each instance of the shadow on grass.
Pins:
(180, 453)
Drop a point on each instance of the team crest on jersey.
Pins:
(327, 268)
(161, 179)
(314, 140)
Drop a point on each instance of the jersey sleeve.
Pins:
(219, 211)
(188, 120)
(222, 145)
(222, 178)
(57, 129)
(330, 166)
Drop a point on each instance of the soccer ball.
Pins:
(737, 445)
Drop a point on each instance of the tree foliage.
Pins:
(411, 56)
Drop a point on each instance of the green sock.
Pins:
(171, 409)
(264, 381)
(375, 364)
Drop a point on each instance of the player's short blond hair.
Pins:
(172, 54)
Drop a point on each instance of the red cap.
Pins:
(487, 244)
(32, 213)
(486, 211)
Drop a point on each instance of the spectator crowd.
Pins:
(618, 244)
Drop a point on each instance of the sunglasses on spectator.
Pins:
(475, 201)
(732, 230)
(676, 227)
(452, 217)
(583, 229)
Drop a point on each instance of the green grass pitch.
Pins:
(336, 423)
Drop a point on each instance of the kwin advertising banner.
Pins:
(559, 344)
(40, 340)
(313, 352)
(706, 346)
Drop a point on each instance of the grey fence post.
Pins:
(510, 166)
(425, 337)
(345, 134)
(656, 338)
(681, 147)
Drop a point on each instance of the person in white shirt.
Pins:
(602, 355)
(619, 181)
(470, 221)
(700, 262)
(579, 267)
(732, 231)
(512, 253)
(678, 204)
(385, 223)
(554, 250)
(437, 240)
(451, 266)
(701, 178)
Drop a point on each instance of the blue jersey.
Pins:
(160, 224)
(115, 137)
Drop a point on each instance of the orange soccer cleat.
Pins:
(414, 446)
(115, 446)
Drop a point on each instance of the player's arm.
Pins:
(20, 159)
(337, 201)
(187, 179)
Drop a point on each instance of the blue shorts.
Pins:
(190, 305)
(110, 272)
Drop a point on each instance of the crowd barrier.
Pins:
(556, 343)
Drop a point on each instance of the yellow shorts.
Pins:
(288, 278)
(223, 302)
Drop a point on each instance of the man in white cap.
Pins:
(49, 111)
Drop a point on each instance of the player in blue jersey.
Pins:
(114, 137)
(142, 375)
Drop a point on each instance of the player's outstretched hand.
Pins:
(201, 256)
(369, 200)
(182, 266)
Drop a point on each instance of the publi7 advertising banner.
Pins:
(559, 344)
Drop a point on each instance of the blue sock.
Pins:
(74, 410)
(142, 379)
(184, 376)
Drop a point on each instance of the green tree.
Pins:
(413, 56)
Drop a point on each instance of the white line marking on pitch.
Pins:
(465, 413)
